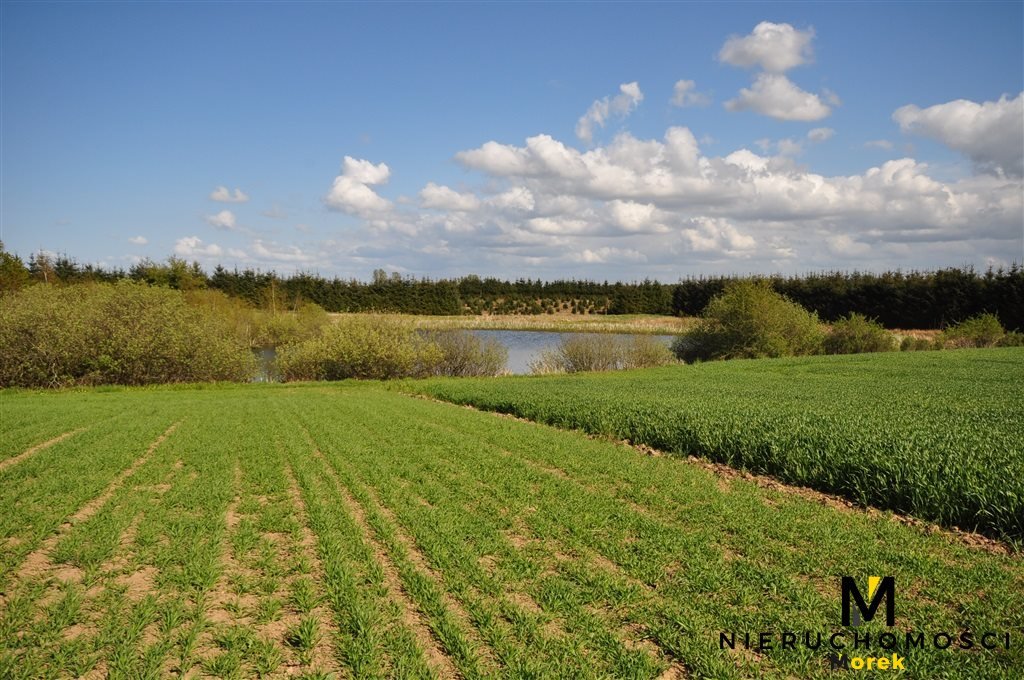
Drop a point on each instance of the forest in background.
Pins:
(913, 299)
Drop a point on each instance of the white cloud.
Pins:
(685, 94)
(364, 171)
(138, 240)
(631, 216)
(777, 96)
(224, 196)
(225, 219)
(518, 199)
(879, 144)
(820, 134)
(607, 254)
(991, 134)
(272, 252)
(774, 47)
(351, 190)
(192, 246)
(635, 207)
(707, 234)
(641, 181)
(445, 198)
(621, 105)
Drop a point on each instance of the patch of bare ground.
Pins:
(411, 617)
(39, 563)
(325, 655)
(726, 475)
(138, 583)
(31, 451)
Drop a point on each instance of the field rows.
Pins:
(348, 530)
(938, 435)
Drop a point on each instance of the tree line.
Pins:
(913, 299)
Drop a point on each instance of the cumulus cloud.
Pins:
(685, 94)
(621, 105)
(606, 254)
(272, 252)
(445, 198)
(225, 219)
(138, 240)
(635, 207)
(222, 195)
(351, 190)
(630, 216)
(821, 134)
(879, 144)
(776, 96)
(774, 47)
(632, 184)
(516, 199)
(990, 134)
(718, 235)
(192, 246)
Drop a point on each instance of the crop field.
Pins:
(351, 530)
(939, 435)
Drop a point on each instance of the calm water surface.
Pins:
(525, 347)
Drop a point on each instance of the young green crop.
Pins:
(354, 531)
(939, 435)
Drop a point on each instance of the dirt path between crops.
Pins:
(4, 464)
(38, 562)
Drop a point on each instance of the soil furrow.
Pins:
(4, 464)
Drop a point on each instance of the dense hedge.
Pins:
(124, 333)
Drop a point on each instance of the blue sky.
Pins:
(606, 141)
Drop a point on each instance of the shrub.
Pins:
(578, 352)
(912, 344)
(856, 334)
(983, 330)
(1011, 339)
(260, 327)
(125, 333)
(466, 354)
(373, 347)
(750, 320)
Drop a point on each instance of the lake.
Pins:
(523, 347)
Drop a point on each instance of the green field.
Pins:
(354, 530)
(939, 435)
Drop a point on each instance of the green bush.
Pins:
(1011, 339)
(261, 327)
(373, 347)
(856, 334)
(124, 333)
(579, 352)
(912, 344)
(465, 354)
(749, 320)
(983, 330)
